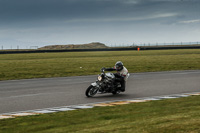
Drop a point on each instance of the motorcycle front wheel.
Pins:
(91, 91)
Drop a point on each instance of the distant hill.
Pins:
(92, 45)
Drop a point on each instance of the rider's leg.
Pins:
(123, 85)
(120, 79)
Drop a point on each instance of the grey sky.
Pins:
(48, 22)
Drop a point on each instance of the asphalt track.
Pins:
(31, 94)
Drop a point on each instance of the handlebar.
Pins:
(103, 70)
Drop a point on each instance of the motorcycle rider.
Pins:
(121, 75)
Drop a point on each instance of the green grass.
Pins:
(165, 116)
(180, 115)
(23, 66)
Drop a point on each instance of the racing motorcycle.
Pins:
(105, 83)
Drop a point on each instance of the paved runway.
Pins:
(31, 94)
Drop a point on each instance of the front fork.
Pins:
(99, 86)
(96, 86)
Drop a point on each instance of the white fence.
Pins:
(153, 44)
(17, 47)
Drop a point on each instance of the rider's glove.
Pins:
(102, 69)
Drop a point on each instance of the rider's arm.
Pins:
(110, 69)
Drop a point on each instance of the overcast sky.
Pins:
(48, 22)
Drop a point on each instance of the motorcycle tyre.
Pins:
(87, 92)
(115, 92)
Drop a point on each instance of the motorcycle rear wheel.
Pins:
(115, 92)
(91, 91)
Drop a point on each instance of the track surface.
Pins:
(30, 94)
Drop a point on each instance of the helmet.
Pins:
(119, 66)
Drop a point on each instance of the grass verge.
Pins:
(43, 65)
(165, 116)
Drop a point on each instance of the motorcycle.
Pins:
(105, 83)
